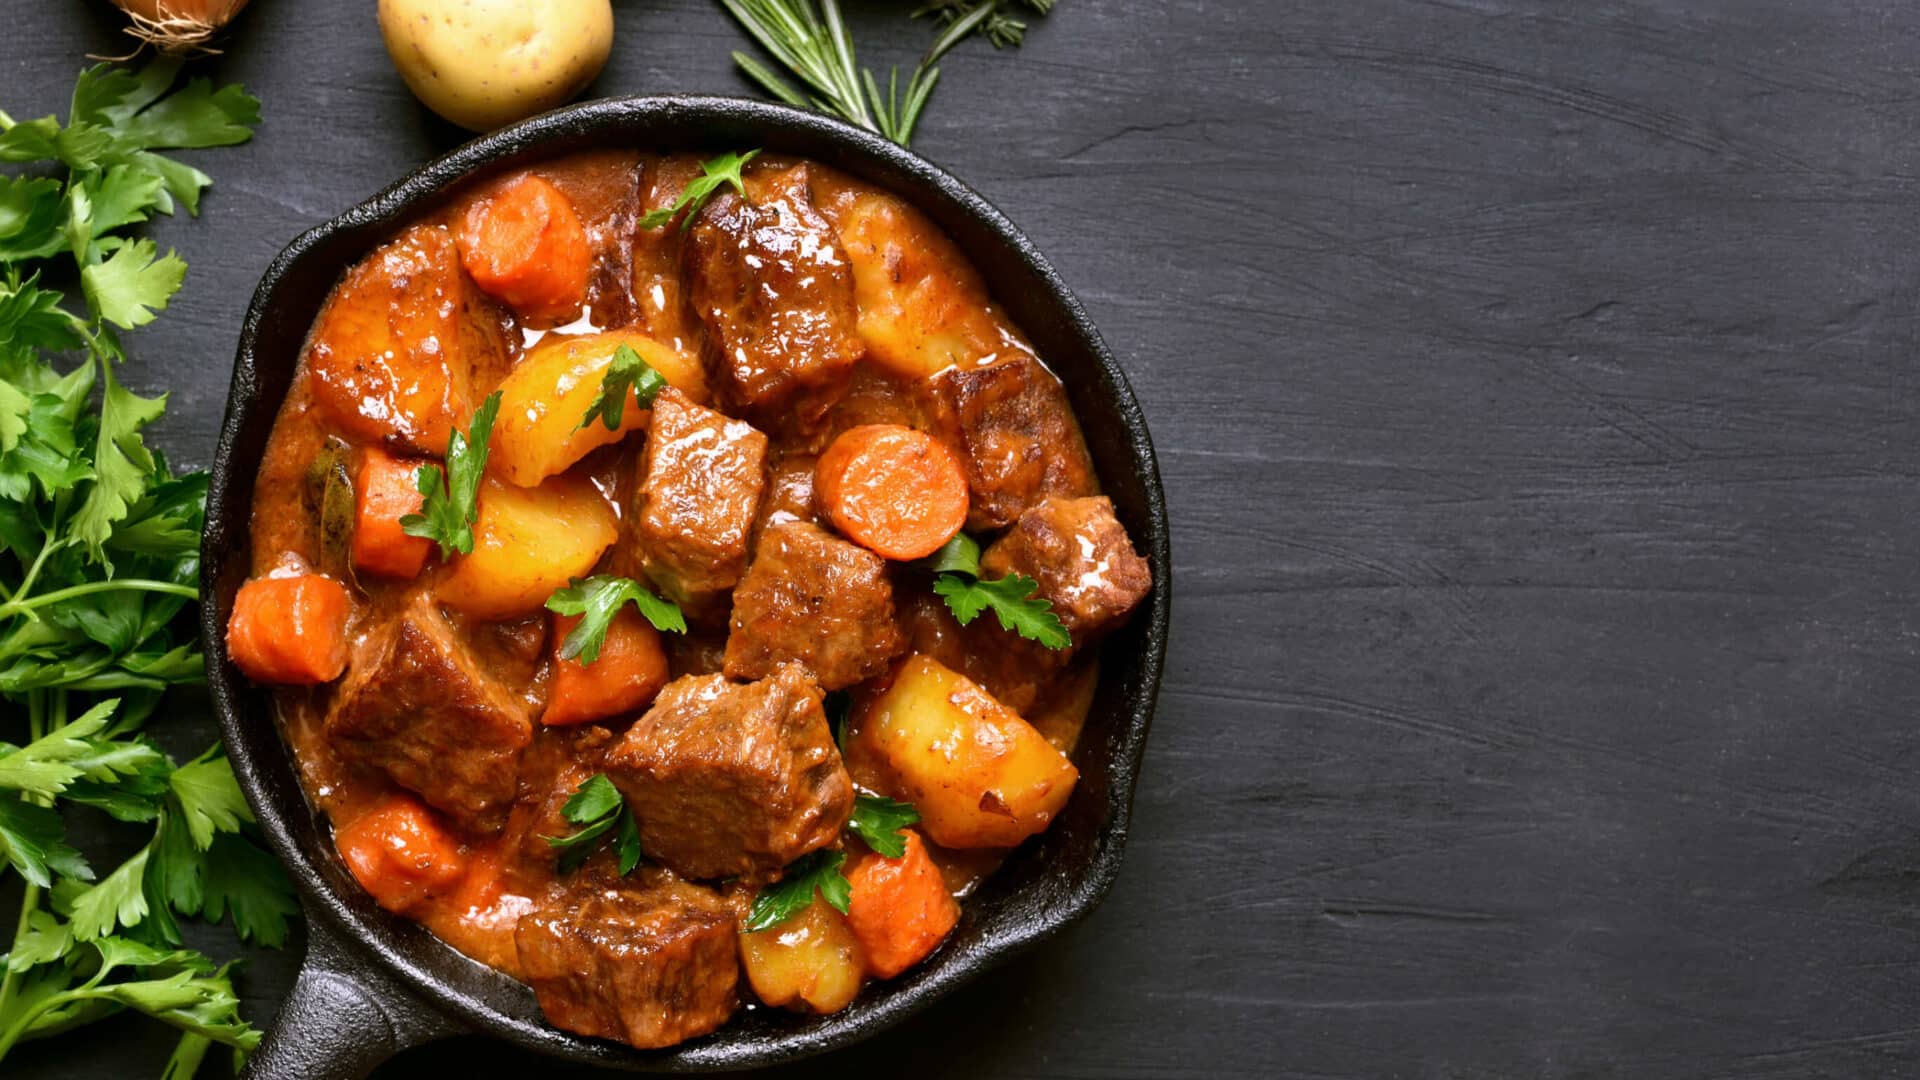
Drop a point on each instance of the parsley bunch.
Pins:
(99, 556)
(957, 565)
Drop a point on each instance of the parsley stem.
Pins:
(29, 903)
(26, 583)
(21, 607)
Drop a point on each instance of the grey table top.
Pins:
(1534, 392)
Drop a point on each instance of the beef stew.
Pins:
(452, 752)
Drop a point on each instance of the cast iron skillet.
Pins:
(374, 983)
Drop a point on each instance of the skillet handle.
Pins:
(344, 1018)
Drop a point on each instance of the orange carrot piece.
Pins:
(387, 490)
(896, 491)
(290, 630)
(900, 909)
(524, 245)
(401, 854)
(630, 671)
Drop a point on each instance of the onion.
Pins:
(179, 26)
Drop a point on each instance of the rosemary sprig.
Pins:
(1001, 28)
(810, 39)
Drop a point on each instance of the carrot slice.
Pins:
(290, 629)
(900, 908)
(524, 245)
(896, 491)
(386, 490)
(630, 671)
(401, 854)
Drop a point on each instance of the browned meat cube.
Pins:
(729, 779)
(813, 598)
(1016, 436)
(705, 474)
(773, 288)
(416, 706)
(1082, 559)
(649, 960)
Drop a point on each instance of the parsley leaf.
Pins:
(35, 841)
(599, 808)
(789, 896)
(133, 283)
(1011, 598)
(626, 372)
(116, 900)
(452, 499)
(241, 879)
(210, 798)
(719, 171)
(122, 464)
(878, 820)
(597, 600)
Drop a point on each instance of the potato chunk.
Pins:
(544, 399)
(810, 963)
(922, 306)
(527, 543)
(980, 775)
(393, 355)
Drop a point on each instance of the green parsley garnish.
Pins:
(878, 820)
(99, 556)
(724, 169)
(789, 896)
(1011, 597)
(597, 600)
(626, 372)
(453, 500)
(598, 808)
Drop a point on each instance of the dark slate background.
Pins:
(1533, 385)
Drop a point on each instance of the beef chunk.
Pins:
(417, 706)
(813, 598)
(729, 780)
(1016, 436)
(649, 960)
(1082, 559)
(773, 289)
(704, 477)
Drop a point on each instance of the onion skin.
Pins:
(179, 26)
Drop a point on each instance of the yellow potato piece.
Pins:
(922, 306)
(810, 963)
(485, 63)
(527, 543)
(548, 393)
(979, 775)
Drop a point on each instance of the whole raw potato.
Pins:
(484, 63)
